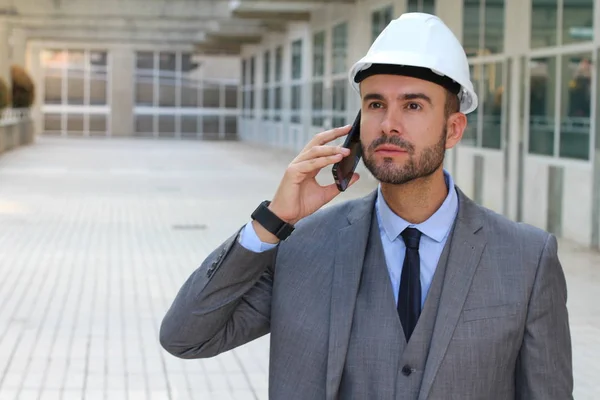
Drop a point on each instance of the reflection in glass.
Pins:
(144, 125)
(340, 33)
(166, 92)
(318, 68)
(144, 60)
(575, 106)
(231, 96)
(52, 88)
(167, 61)
(428, 6)
(317, 104)
(339, 103)
(211, 95)
(542, 112)
(578, 21)
(543, 23)
(470, 134)
(471, 27)
(98, 88)
(296, 103)
(75, 87)
(493, 41)
(493, 90)
(75, 124)
(53, 58)
(166, 125)
(189, 126)
(379, 20)
(52, 123)
(97, 124)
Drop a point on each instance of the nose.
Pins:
(390, 124)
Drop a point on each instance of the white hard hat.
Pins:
(419, 42)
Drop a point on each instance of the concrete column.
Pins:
(517, 18)
(122, 65)
(18, 40)
(4, 51)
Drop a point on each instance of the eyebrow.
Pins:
(406, 96)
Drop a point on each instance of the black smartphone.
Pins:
(343, 170)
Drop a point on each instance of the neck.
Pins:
(417, 200)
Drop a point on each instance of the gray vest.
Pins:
(384, 366)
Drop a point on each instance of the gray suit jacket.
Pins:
(501, 326)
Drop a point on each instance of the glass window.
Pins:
(267, 67)
(542, 111)
(318, 54)
(379, 20)
(578, 21)
(296, 103)
(543, 23)
(167, 61)
(317, 103)
(244, 74)
(491, 134)
(144, 60)
(98, 88)
(493, 39)
(278, 63)
(483, 27)
(252, 69)
(471, 26)
(576, 91)
(340, 33)
(297, 59)
(339, 102)
(426, 6)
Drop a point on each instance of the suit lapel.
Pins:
(349, 257)
(466, 246)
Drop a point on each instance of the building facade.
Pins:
(531, 148)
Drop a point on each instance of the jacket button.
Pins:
(406, 370)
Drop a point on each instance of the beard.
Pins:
(431, 158)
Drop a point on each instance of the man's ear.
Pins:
(455, 128)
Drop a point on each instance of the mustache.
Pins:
(393, 140)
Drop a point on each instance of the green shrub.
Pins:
(4, 95)
(23, 89)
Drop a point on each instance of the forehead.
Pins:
(396, 85)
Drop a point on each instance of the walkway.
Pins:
(97, 236)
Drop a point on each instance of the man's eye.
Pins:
(414, 106)
(375, 105)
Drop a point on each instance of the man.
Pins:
(413, 292)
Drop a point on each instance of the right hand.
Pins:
(299, 194)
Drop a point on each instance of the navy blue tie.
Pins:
(409, 296)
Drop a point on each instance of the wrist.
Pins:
(268, 225)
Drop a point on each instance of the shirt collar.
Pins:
(436, 227)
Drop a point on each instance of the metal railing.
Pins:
(13, 116)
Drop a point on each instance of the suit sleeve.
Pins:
(544, 366)
(225, 303)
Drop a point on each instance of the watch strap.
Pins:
(271, 222)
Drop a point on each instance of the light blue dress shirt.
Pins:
(435, 231)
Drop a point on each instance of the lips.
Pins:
(389, 149)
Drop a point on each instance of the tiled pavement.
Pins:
(96, 238)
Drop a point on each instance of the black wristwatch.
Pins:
(272, 222)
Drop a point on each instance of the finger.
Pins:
(315, 164)
(331, 191)
(327, 136)
(321, 151)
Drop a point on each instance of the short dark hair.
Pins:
(452, 104)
